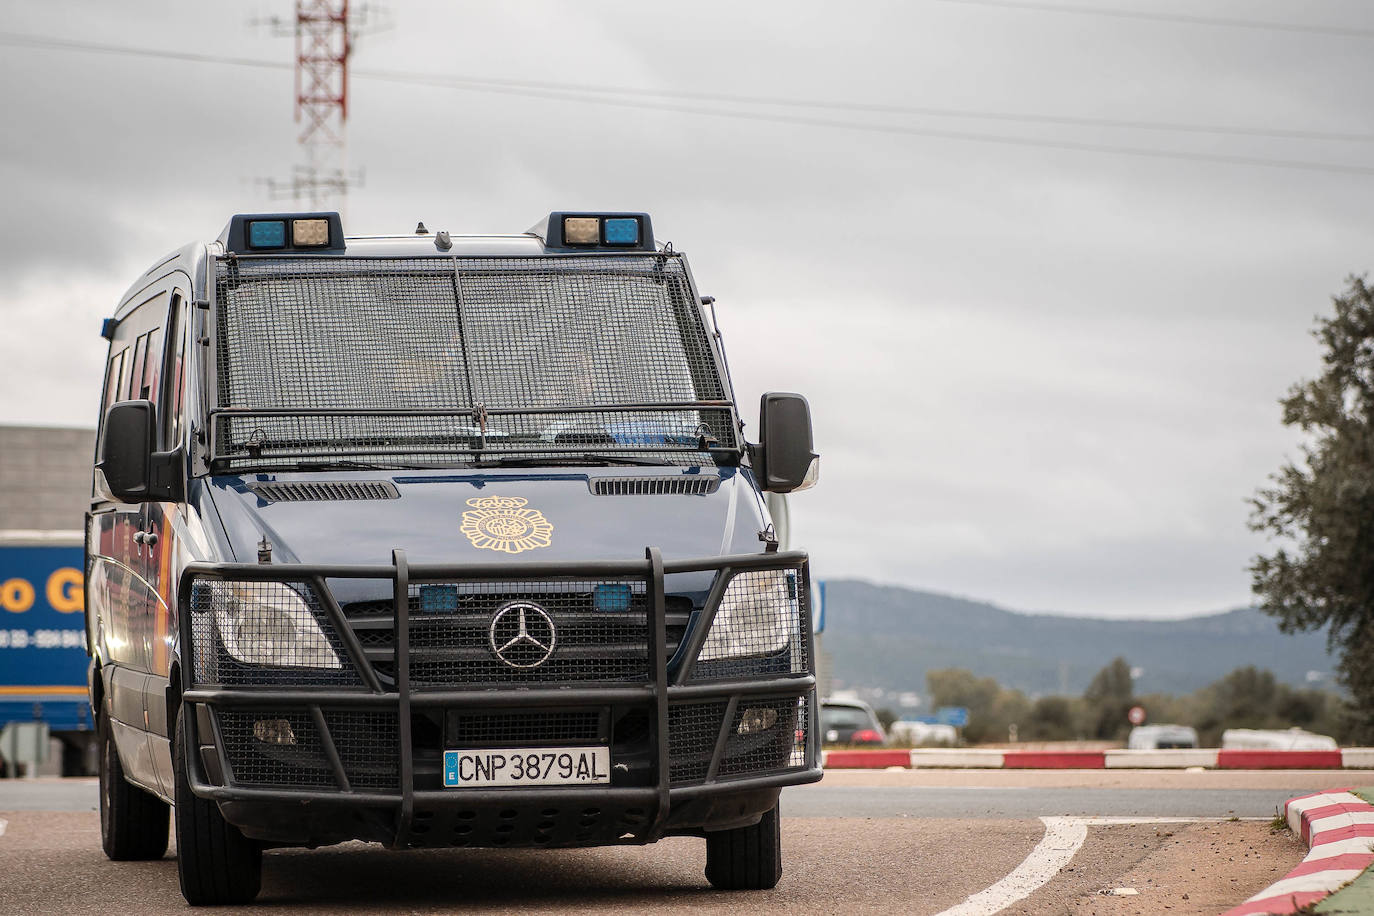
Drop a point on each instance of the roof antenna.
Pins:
(420, 229)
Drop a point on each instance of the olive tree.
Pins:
(1318, 509)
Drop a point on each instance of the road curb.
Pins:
(1338, 827)
(1179, 758)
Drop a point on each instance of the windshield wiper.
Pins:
(348, 465)
(587, 459)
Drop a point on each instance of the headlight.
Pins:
(268, 623)
(757, 616)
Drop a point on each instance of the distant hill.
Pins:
(888, 637)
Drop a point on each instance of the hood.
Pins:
(492, 516)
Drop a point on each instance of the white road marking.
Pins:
(3, 824)
(1064, 836)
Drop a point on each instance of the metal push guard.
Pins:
(656, 800)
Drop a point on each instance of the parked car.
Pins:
(923, 734)
(850, 722)
(1289, 739)
(1154, 737)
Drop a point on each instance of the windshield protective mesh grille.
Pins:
(432, 360)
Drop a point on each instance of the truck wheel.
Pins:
(216, 863)
(133, 823)
(746, 858)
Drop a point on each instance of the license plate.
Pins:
(548, 766)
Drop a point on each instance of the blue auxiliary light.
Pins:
(267, 233)
(438, 599)
(612, 596)
(621, 231)
(278, 233)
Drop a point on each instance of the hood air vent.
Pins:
(318, 492)
(654, 486)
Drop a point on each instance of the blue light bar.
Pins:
(283, 232)
(621, 231)
(267, 233)
(611, 596)
(592, 231)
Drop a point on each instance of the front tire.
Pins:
(133, 823)
(216, 863)
(746, 858)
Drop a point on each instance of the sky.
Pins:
(1043, 269)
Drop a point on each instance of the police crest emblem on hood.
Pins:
(503, 523)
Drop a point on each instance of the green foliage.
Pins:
(1247, 697)
(1320, 508)
(1052, 718)
(992, 709)
(1107, 701)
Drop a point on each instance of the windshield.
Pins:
(444, 361)
(845, 717)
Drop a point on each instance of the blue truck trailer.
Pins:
(43, 658)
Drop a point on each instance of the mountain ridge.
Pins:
(888, 636)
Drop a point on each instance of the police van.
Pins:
(440, 541)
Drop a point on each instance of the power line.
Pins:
(586, 95)
(924, 132)
(1337, 31)
(430, 79)
(868, 107)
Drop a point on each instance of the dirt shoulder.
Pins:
(1195, 869)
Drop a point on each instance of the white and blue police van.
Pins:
(440, 541)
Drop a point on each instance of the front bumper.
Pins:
(689, 753)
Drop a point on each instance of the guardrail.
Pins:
(1174, 758)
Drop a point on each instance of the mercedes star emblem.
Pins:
(522, 634)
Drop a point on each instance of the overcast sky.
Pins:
(1043, 371)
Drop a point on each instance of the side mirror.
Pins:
(134, 472)
(785, 461)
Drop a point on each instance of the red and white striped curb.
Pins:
(1339, 829)
(1180, 758)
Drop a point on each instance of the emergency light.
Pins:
(611, 596)
(283, 232)
(596, 231)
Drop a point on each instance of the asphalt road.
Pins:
(1026, 802)
(911, 842)
(997, 794)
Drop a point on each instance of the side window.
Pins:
(113, 376)
(149, 384)
(136, 365)
(134, 377)
(174, 376)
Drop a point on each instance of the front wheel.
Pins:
(746, 858)
(133, 823)
(216, 863)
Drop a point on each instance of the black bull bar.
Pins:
(657, 693)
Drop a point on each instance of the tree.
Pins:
(991, 707)
(1320, 508)
(1245, 698)
(1051, 718)
(1108, 699)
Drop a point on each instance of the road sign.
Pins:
(952, 715)
(1136, 715)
